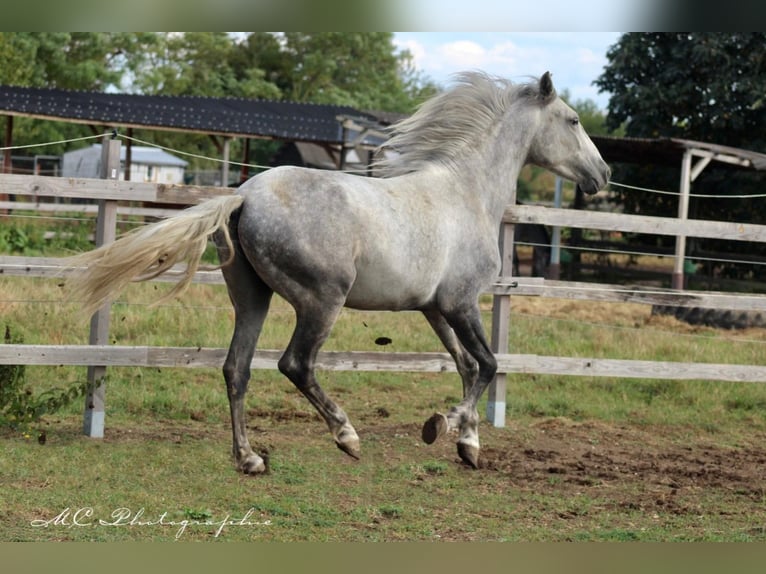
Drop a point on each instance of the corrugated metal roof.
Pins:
(222, 116)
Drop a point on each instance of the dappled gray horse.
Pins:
(421, 237)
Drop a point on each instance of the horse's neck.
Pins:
(490, 173)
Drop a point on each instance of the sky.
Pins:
(575, 59)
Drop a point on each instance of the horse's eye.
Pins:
(574, 121)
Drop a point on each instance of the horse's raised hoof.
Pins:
(469, 454)
(252, 464)
(433, 428)
(348, 441)
(354, 451)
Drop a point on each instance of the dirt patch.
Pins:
(630, 467)
(281, 414)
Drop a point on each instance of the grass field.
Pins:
(580, 459)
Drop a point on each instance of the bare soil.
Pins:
(650, 469)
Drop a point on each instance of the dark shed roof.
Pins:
(221, 116)
(670, 151)
(291, 121)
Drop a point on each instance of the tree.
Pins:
(362, 70)
(701, 86)
(67, 60)
(708, 86)
(358, 69)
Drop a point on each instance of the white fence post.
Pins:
(554, 271)
(683, 211)
(501, 317)
(106, 230)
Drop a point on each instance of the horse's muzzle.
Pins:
(596, 182)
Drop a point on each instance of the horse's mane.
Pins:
(448, 122)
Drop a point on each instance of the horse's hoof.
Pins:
(351, 448)
(469, 454)
(253, 464)
(433, 428)
(348, 441)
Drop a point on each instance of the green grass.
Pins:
(166, 451)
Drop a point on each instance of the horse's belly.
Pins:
(390, 290)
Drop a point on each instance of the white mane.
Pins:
(447, 123)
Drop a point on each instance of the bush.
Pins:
(31, 238)
(21, 409)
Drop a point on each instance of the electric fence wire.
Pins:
(257, 166)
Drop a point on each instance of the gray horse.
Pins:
(421, 237)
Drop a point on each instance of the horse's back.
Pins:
(384, 238)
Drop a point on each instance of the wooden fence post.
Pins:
(501, 317)
(683, 211)
(106, 231)
(554, 271)
(225, 164)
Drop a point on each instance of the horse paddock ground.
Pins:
(580, 459)
(551, 479)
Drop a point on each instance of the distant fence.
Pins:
(114, 196)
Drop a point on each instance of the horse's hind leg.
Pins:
(251, 298)
(314, 320)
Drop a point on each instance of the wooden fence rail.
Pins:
(125, 193)
(53, 268)
(377, 361)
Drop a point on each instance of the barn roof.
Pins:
(292, 121)
(297, 122)
(670, 151)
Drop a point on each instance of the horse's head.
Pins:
(561, 144)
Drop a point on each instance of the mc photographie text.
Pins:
(86, 517)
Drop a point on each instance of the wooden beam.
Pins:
(225, 163)
(635, 223)
(683, 212)
(128, 155)
(244, 172)
(91, 188)
(106, 231)
(53, 268)
(8, 142)
(501, 324)
(206, 357)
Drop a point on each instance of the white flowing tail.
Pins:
(149, 251)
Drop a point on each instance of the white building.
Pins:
(147, 164)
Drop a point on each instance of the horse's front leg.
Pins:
(464, 417)
(466, 365)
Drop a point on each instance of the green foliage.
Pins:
(700, 86)
(30, 238)
(20, 408)
(359, 69)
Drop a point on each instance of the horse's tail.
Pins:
(149, 251)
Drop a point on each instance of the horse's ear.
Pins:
(547, 92)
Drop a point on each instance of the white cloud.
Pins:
(574, 59)
(463, 54)
(414, 47)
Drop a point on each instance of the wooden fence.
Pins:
(114, 196)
